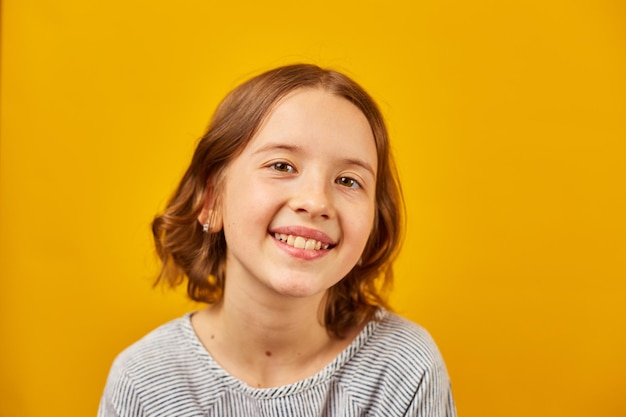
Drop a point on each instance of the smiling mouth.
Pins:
(300, 242)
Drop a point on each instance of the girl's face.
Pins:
(299, 202)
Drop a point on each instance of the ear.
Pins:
(210, 212)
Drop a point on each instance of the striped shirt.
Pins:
(392, 368)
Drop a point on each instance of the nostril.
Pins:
(312, 203)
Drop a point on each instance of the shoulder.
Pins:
(399, 359)
(163, 369)
(398, 344)
(154, 349)
(400, 339)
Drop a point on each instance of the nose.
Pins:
(312, 196)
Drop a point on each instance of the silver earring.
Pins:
(205, 227)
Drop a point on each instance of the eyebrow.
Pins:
(298, 149)
(278, 146)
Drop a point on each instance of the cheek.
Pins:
(246, 207)
(361, 227)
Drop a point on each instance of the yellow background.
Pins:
(508, 120)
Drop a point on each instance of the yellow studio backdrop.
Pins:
(508, 123)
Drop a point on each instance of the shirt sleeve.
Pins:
(120, 398)
(433, 397)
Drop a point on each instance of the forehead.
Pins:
(320, 121)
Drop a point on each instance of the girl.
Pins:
(284, 222)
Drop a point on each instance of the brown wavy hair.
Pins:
(187, 252)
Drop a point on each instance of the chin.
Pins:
(296, 290)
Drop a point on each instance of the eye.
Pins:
(282, 167)
(348, 182)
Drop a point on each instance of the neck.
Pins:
(280, 327)
(267, 340)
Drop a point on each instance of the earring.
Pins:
(205, 227)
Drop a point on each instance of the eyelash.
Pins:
(280, 167)
(285, 167)
(353, 183)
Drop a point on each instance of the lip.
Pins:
(306, 233)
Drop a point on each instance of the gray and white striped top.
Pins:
(392, 368)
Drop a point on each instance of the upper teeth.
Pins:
(299, 242)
